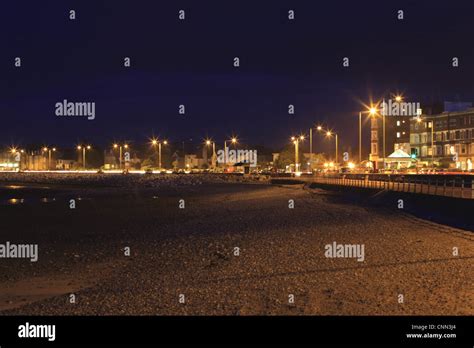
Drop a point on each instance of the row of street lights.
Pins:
(155, 143)
(372, 111)
(44, 150)
(208, 142)
(297, 139)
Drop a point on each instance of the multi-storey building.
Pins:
(444, 140)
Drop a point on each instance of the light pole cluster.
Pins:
(48, 151)
(155, 142)
(296, 141)
(329, 133)
(83, 148)
(121, 147)
(372, 112)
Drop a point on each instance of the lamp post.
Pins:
(49, 150)
(209, 142)
(13, 151)
(311, 147)
(154, 142)
(384, 112)
(233, 140)
(360, 137)
(296, 141)
(159, 151)
(330, 133)
(84, 148)
(120, 147)
(17, 156)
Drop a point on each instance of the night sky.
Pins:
(190, 62)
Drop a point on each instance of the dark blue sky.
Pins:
(174, 62)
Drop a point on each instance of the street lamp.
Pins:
(311, 145)
(296, 141)
(84, 148)
(49, 150)
(156, 142)
(214, 156)
(120, 147)
(318, 128)
(329, 134)
(234, 141)
(13, 151)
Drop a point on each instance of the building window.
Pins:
(398, 123)
(398, 134)
(457, 148)
(447, 152)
